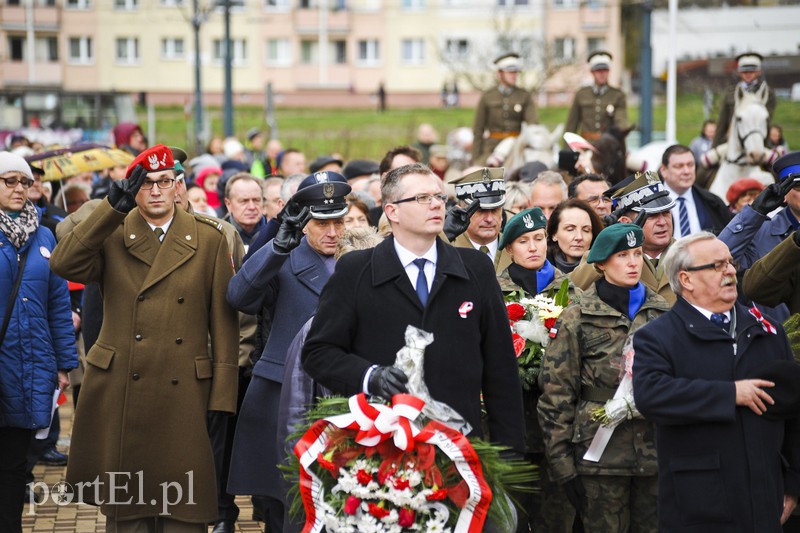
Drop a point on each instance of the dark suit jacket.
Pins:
(714, 215)
(722, 468)
(362, 317)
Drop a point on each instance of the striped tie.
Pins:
(159, 233)
(684, 217)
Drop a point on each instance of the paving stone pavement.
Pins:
(81, 518)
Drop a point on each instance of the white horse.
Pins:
(745, 149)
(534, 143)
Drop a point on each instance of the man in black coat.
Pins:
(728, 445)
(695, 209)
(375, 294)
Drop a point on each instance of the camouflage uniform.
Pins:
(595, 110)
(582, 362)
(548, 509)
(500, 114)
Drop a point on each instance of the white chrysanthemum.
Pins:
(414, 478)
(532, 330)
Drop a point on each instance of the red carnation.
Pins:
(519, 344)
(406, 517)
(401, 484)
(439, 494)
(377, 511)
(515, 311)
(363, 477)
(351, 505)
(549, 323)
(328, 465)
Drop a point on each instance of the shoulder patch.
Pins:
(214, 223)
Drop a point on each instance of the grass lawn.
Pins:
(365, 133)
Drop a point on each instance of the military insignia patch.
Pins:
(328, 190)
(321, 177)
(631, 239)
(528, 221)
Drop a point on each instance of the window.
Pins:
(16, 48)
(413, 4)
(309, 52)
(595, 43)
(369, 52)
(504, 3)
(238, 51)
(46, 49)
(338, 52)
(413, 51)
(279, 52)
(80, 50)
(276, 4)
(127, 50)
(173, 3)
(79, 4)
(126, 4)
(564, 49)
(457, 48)
(172, 48)
(565, 3)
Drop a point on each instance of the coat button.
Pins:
(180, 300)
(178, 340)
(174, 381)
(138, 337)
(141, 298)
(135, 376)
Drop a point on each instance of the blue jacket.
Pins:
(40, 339)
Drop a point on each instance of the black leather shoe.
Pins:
(53, 457)
(224, 526)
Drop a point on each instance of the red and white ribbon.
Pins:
(769, 328)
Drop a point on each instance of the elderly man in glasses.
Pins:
(165, 357)
(717, 379)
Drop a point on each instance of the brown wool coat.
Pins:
(150, 379)
(501, 258)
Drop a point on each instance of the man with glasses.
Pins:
(415, 278)
(709, 373)
(151, 378)
(591, 188)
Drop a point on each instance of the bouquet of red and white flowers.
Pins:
(532, 323)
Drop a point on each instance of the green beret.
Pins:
(613, 239)
(523, 222)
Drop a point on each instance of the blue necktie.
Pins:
(720, 320)
(684, 217)
(422, 281)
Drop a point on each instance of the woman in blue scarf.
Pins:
(614, 488)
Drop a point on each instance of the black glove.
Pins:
(575, 492)
(386, 381)
(292, 208)
(291, 231)
(771, 198)
(122, 193)
(456, 221)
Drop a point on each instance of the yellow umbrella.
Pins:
(87, 158)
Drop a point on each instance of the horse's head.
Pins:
(609, 157)
(538, 137)
(748, 130)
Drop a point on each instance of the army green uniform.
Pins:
(728, 107)
(580, 372)
(500, 114)
(595, 110)
(501, 258)
(775, 278)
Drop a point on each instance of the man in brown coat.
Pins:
(140, 446)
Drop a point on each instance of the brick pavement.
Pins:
(80, 518)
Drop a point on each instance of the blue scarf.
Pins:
(524, 277)
(636, 299)
(545, 275)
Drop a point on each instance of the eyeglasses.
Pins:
(423, 199)
(598, 199)
(165, 183)
(11, 183)
(719, 266)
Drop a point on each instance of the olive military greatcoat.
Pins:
(500, 114)
(595, 110)
(150, 380)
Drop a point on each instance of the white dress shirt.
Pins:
(691, 210)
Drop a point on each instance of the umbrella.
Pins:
(66, 162)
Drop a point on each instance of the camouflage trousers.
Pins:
(547, 510)
(620, 504)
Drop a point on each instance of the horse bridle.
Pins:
(742, 139)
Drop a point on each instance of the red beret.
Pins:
(740, 186)
(154, 159)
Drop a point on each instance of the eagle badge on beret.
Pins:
(631, 239)
(528, 221)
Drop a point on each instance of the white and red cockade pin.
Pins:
(769, 328)
(464, 309)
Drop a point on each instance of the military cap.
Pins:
(323, 160)
(154, 159)
(508, 63)
(749, 62)
(642, 192)
(531, 170)
(485, 185)
(599, 60)
(786, 375)
(613, 239)
(356, 168)
(324, 194)
(523, 222)
(787, 166)
(180, 156)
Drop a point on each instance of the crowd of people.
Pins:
(200, 304)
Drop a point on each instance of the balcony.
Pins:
(15, 74)
(44, 18)
(308, 77)
(307, 21)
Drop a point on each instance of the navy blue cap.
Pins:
(324, 194)
(788, 165)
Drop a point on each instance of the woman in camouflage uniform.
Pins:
(582, 368)
(529, 274)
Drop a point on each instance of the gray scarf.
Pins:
(19, 229)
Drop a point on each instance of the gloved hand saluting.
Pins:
(456, 221)
(122, 193)
(386, 381)
(291, 230)
(771, 198)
